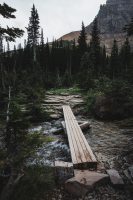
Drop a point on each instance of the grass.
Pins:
(58, 91)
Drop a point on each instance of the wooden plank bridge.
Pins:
(81, 153)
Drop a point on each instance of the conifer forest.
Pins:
(91, 73)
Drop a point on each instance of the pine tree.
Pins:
(114, 61)
(42, 39)
(103, 61)
(95, 48)
(1, 44)
(33, 31)
(8, 33)
(86, 76)
(82, 44)
(125, 56)
(8, 46)
(129, 28)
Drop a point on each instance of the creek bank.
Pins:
(111, 144)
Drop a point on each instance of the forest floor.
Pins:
(111, 142)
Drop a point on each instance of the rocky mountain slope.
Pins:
(112, 17)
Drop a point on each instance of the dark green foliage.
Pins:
(125, 57)
(9, 33)
(82, 44)
(38, 180)
(114, 61)
(110, 99)
(18, 142)
(33, 27)
(85, 78)
(95, 48)
(7, 11)
(129, 28)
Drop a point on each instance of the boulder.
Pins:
(131, 171)
(115, 178)
(84, 181)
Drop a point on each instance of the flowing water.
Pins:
(112, 145)
(111, 142)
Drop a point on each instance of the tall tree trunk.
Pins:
(8, 106)
(34, 53)
(2, 78)
(14, 177)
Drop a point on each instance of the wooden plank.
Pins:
(86, 143)
(81, 144)
(81, 152)
(76, 157)
(77, 137)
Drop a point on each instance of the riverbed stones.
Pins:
(84, 181)
(115, 178)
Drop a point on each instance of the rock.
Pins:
(84, 181)
(63, 171)
(115, 178)
(130, 169)
(126, 172)
(54, 116)
(112, 18)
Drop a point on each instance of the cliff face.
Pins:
(112, 18)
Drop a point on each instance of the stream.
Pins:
(111, 144)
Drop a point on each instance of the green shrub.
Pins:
(37, 181)
(90, 99)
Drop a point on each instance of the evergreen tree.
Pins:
(125, 56)
(42, 55)
(42, 39)
(95, 48)
(129, 28)
(86, 76)
(103, 61)
(8, 46)
(46, 61)
(82, 44)
(33, 31)
(1, 44)
(114, 61)
(8, 33)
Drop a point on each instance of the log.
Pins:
(83, 126)
(63, 171)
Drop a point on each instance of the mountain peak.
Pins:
(117, 2)
(113, 16)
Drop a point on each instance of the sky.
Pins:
(57, 17)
